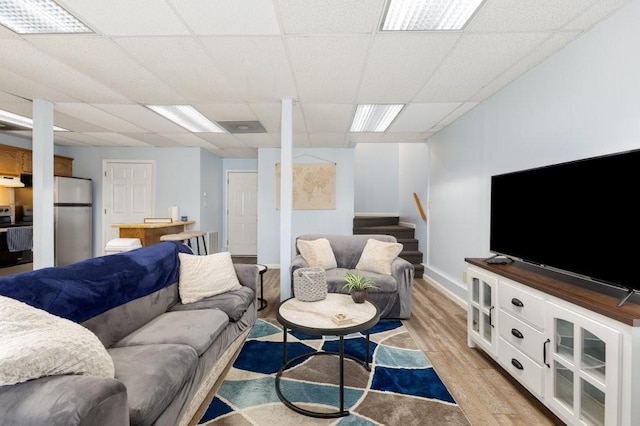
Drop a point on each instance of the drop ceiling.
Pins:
(237, 60)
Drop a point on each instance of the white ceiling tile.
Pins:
(487, 55)
(365, 137)
(399, 65)
(227, 112)
(188, 139)
(270, 114)
(330, 16)
(328, 117)
(142, 117)
(300, 140)
(547, 48)
(218, 17)
(421, 117)
(403, 137)
(89, 139)
(117, 138)
(258, 140)
(598, 10)
(22, 87)
(73, 124)
(223, 140)
(256, 67)
(165, 57)
(327, 69)
(152, 139)
(24, 59)
(320, 140)
(105, 62)
(526, 15)
(126, 17)
(93, 115)
(457, 113)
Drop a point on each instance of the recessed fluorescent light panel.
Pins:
(374, 117)
(188, 117)
(39, 17)
(429, 15)
(20, 121)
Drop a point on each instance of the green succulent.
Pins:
(355, 281)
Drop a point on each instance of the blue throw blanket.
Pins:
(88, 288)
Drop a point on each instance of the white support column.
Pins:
(42, 146)
(286, 196)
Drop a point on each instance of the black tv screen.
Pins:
(578, 217)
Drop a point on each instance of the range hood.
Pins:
(11, 182)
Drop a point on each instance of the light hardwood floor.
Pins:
(487, 395)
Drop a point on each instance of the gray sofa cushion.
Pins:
(197, 329)
(335, 281)
(69, 400)
(153, 375)
(233, 303)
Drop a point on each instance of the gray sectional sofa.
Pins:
(167, 356)
(393, 294)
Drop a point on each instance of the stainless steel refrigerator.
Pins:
(73, 219)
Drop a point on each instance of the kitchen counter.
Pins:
(150, 233)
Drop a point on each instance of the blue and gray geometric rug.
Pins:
(401, 389)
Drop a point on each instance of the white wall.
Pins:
(338, 221)
(376, 178)
(413, 177)
(581, 102)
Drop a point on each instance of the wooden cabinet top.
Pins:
(152, 225)
(590, 295)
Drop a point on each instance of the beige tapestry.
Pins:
(314, 186)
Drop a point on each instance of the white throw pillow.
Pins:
(317, 253)
(35, 343)
(206, 276)
(378, 255)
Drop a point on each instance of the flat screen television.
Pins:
(579, 217)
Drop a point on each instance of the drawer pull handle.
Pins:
(517, 302)
(517, 333)
(490, 320)
(544, 353)
(516, 364)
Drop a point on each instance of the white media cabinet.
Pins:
(564, 339)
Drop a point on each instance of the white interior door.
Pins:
(128, 189)
(242, 213)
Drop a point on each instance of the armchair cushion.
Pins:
(317, 253)
(378, 255)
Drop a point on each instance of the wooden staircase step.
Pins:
(367, 221)
(397, 231)
(389, 225)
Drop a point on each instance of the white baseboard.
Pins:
(407, 224)
(451, 295)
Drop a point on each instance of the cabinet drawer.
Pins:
(531, 340)
(522, 303)
(523, 368)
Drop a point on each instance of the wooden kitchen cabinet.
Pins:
(9, 160)
(14, 160)
(62, 166)
(26, 162)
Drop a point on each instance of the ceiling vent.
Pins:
(242, 126)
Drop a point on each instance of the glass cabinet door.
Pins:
(481, 314)
(583, 357)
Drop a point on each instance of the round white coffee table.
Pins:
(321, 318)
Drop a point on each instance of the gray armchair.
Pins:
(393, 296)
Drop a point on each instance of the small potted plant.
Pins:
(357, 286)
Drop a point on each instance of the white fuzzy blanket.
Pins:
(35, 343)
